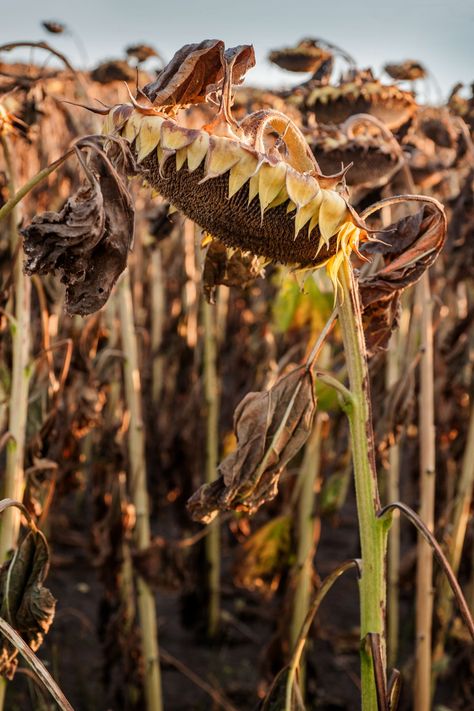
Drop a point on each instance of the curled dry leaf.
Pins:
(88, 241)
(407, 251)
(195, 70)
(227, 267)
(271, 427)
(25, 604)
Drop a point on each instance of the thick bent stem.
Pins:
(372, 531)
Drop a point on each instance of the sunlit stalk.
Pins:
(309, 473)
(157, 320)
(211, 388)
(139, 494)
(424, 571)
(460, 519)
(13, 480)
(373, 535)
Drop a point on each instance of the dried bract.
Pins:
(408, 251)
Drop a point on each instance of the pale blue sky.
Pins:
(438, 33)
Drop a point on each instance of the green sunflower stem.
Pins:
(372, 531)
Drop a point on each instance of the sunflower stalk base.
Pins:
(373, 532)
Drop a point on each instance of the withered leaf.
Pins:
(196, 70)
(186, 77)
(264, 555)
(88, 241)
(408, 250)
(25, 604)
(271, 427)
(220, 268)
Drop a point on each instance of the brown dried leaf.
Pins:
(271, 427)
(408, 251)
(186, 77)
(25, 604)
(89, 239)
(196, 70)
(220, 268)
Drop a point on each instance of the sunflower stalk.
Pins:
(211, 388)
(424, 572)
(139, 495)
(14, 476)
(373, 532)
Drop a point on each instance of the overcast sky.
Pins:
(439, 33)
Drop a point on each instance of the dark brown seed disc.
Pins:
(233, 221)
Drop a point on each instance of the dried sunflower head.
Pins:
(254, 184)
(358, 93)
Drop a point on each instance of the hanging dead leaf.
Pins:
(186, 77)
(88, 241)
(271, 427)
(409, 247)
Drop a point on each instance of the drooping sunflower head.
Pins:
(255, 184)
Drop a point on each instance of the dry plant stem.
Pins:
(393, 490)
(308, 621)
(13, 479)
(157, 320)
(424, 570)
(373, 535)
(139, 494)
(36, 665)
(460, 519)
(211, 389)
(15, 198)
(309, 473)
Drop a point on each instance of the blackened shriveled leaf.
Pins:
(408, 251)
(88, 241)
(25, 604)
(220, 268)
(271, 427)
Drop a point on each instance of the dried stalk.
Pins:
(373, 535)
(460, 519)
(424, 571)
(309, 474)
(139, 494)
(300, 642)
(36, 665)
(13, 479)
(211, 388)
(157, 321)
